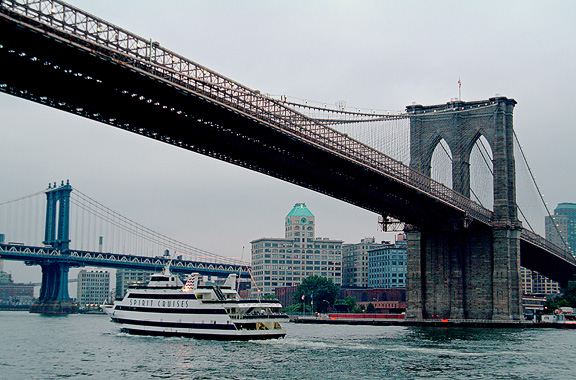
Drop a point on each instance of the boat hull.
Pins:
(232, 335)
(221, 328)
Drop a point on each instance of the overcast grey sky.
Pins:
(371, 54)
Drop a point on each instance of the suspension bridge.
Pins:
(466, 236)
(61, 227)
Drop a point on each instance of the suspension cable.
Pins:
(139, 230)
(539, 193)
(23, 197)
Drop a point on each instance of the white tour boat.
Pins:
(168, 307)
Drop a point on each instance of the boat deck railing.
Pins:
(258, 316)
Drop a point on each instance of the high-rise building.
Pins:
(561, 227)
(355, 262)
(387, 265)
(93, 288)
(280, 262)
(129, 277)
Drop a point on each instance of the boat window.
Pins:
(159, 278)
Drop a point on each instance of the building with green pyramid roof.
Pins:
(300, 224)
(300, 209)
(282, 262)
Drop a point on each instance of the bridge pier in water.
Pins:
(54, 297)
(463, 274)
(461, 269)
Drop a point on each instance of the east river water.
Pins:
(90, 347)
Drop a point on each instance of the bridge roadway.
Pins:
(114, 77)
(60, 56)
(76, 258)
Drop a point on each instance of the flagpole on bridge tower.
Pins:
(459, 89)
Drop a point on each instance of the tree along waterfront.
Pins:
(318, 292)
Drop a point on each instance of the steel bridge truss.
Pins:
(145, 55)
(75, 258)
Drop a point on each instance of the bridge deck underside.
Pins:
(203, 125)
(551, 266)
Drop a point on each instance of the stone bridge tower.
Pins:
(456, 269)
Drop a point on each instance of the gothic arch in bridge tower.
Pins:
(441, 163)
(481, 169)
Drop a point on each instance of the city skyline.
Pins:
(382, 56)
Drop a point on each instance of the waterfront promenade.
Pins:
(398, 320)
